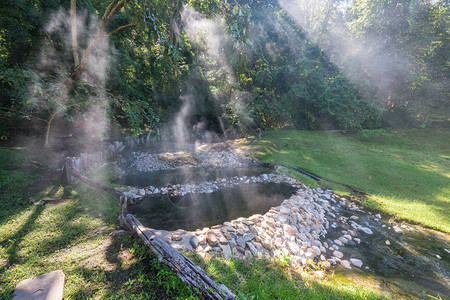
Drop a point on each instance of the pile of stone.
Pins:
(205, 187)
(295, 229)
(298, 229)
(148, 162)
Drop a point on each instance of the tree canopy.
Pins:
(328, 64)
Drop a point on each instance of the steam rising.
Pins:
(180, 127)
(351, 54)
(209, 38)
(56, 64)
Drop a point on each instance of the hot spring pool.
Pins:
(195, 211)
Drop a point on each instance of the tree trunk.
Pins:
(73, 25)
(47, 133)
(110, 13)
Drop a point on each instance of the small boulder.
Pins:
(211, 238)
(338, 254)
(226, 250)
(176, 237)
(317, 251)
(338, 242)
(252, 249)
(223, 240)
(240, 249)
(365, 230)
(194, 242)
(356, 262)
(45, 286)
(247, 237)
(346, 264)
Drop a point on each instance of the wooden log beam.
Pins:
(191, 274)
(70, 170)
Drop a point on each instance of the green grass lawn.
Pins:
(405, 173)
(73, 234)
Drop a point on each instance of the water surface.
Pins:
(195, 211)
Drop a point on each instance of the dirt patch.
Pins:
(178, 158)
(216, 147)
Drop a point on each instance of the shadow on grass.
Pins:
(137, 274)
(12, 242)
(265, 279)
(140, 276)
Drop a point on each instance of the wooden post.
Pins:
(123, 210)
(67, 171)
(93, 183)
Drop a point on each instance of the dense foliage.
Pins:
(239, 65)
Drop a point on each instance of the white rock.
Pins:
(343, 240)
(356, 262)
(365, 230)
(338, 254)
(346, 264)
(45, 286)
(317, 251)
(338, 242)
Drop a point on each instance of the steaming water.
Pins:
(186, 175)
(195, 211)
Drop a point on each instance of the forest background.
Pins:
(229, 66)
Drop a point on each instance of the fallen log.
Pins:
(70, 171)
(98, 185)
(191, 274)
